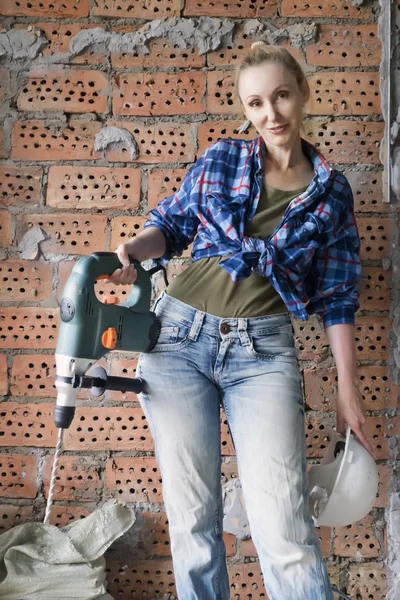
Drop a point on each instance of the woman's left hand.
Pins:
(350, 411)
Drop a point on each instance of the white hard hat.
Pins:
(343, 487)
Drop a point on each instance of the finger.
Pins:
(128, 275)
(115, 277)
(123, 255)
(363, 441)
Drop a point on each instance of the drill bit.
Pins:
(57, 455)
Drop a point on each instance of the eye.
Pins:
(255, 103)
(283, 94)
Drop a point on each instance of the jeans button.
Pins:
(225, 328)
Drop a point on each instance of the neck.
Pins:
(286, 158)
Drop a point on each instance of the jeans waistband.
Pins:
(199, 320)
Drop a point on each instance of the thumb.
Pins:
(123, 256)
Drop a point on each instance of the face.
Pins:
(272, 100)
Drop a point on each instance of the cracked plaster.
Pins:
(110, 138)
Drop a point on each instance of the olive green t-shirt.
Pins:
(208, 287)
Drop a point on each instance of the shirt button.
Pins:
(225, 328)
(219, 208)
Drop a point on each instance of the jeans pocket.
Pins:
(174, 334)
(274, 345)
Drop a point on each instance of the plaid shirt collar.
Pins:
(323, 170)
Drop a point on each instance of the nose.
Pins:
(271, 113)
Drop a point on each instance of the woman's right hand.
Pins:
(127, 274)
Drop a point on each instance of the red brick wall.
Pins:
(52, 177)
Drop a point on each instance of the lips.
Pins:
(277, 129)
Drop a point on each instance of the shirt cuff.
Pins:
(338, 315)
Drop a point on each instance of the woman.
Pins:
(276, 237)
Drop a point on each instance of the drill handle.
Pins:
(103, 264)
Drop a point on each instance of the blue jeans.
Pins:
(250, 367)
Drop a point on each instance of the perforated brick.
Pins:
(377, 390)
(109, 428)
(68, 233)
(33, 375)
(140, 9)
(123, 229)
(28, 327)
(318, 432)
(76, 479)
(3, 375)
(93, 187)
(210, 131)
(162, 52)
(154, 535)
(357, 539)
(60, 516)
(231, 55)
(25, 280)
(163, 183)
(230, 544)
(311, 340)
(367, 191)
(376, 431)
(161, 143)
(229, 470)
(246, 582)
(148, 94)
(60, 35)
(18, 476)
(382, 500)
(368, 580)
(20, 185)
(233, 8)
(375, 289)
(334, 8)
(248, 549)
(343, 142)
(45, 8)
(372, 337)
(345, 45)
(375, 235)
(5, 229)
(325, 540)
(220, 93)
(37, 141)
(344, 94)
(69, 90)
(10, 516)
(124, 367)
(27, 425)
(227, 448)
(143, 580)
(134, 479)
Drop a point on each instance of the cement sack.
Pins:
(43, 562)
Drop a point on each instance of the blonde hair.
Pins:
(261, 52)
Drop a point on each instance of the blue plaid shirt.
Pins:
(312, 257)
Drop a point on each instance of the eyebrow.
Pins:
(279, 86)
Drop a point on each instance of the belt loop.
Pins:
(196, 325)
(242, 331)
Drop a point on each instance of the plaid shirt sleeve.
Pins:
(337, 269)
(177, 216)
